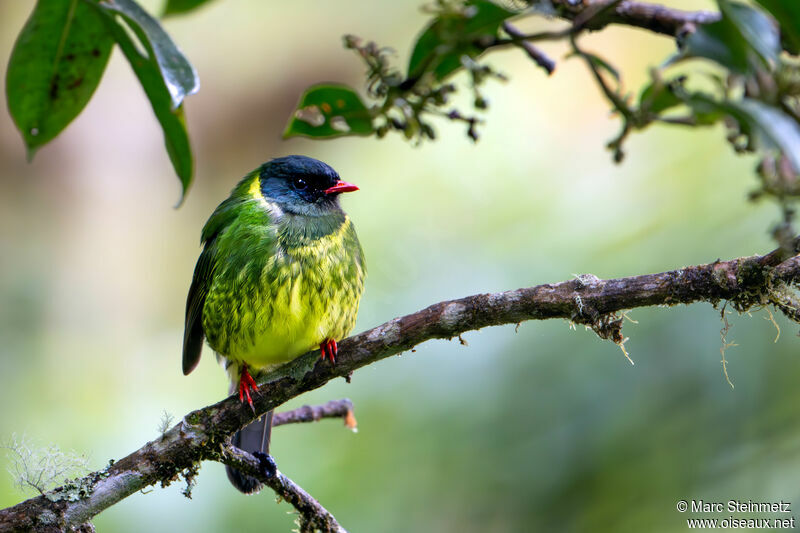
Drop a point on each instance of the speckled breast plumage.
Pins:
(283, 292)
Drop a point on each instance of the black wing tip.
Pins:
(190, 362)
(187, 369)
(192, 350)
(243, 483)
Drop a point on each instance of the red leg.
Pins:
(246, 384)
(329, 350)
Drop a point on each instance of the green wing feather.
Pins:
(193, 334)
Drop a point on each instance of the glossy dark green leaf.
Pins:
(330, 111)
(440, 46)
(179, 75)
(755, 27)
(736, 38)
(774, 128)
(720, 42)
(787, 13)
(769, 127)
(705, 109)
(56, 65)
(148, 71)
(176, 7)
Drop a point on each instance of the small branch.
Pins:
(745, 282)
(786, 255)
(617, 101)
(539, 57)
(312, 515)
(789, 270)
(334, 409)
(653, 17)
(597, 14)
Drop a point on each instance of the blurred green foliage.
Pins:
(330, 110)
(175, 7)
(744, 42)
(743, 46)
(453, 34)
(788, 16)
(545, 428)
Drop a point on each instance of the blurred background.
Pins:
(546, 428)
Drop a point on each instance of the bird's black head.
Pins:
(302, 185)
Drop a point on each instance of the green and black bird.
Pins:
(281, 273)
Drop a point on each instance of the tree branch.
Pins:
(653, 17)
(538, 56)
(312, 516)
(203, 434)
(334, 409)
(597, 14)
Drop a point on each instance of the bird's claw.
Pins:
(329, 350)
(247, 384)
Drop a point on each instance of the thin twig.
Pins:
(539, 57)
(334, 409)
(616, 100)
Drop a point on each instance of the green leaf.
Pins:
(329, 110)
(768, 126)
(705, 110)
(55, 67)
(736, 38)
(451, 35)
(179, 75)
(720, 42)
(171, 118)
(176, 7)
(658, 96)
(787, 13)
(773, 127)
(755, 27)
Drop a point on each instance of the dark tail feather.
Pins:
(251, 438)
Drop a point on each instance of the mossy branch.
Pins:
(203, 435)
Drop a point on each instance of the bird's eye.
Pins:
(299, 184)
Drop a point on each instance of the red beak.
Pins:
(341, 186)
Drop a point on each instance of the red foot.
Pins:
(247, 384)
(329, 350)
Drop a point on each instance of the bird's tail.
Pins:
(254, 437)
